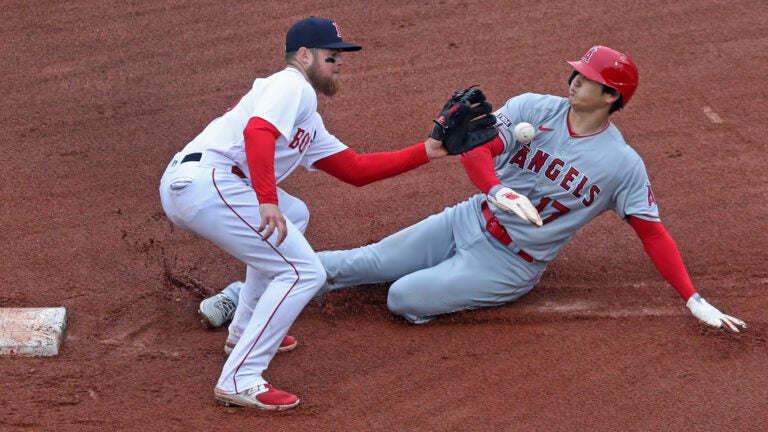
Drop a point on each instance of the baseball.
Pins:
(524, 132)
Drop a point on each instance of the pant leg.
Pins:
(222, 208)
(419, 246)
(232, 291)
(478, 275)
(244, 308)
(446, 263)
(295, 211)
(481, 273)
(297, 276)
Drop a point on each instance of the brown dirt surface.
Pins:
(98, 96)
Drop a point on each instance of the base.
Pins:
(31, 332)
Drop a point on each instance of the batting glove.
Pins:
(510, 201)
(710, 315)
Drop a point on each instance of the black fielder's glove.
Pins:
(465, 121)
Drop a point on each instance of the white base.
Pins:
(31, 332)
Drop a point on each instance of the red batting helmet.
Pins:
(609, 67)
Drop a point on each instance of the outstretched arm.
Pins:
(464, 122)
(362, 169)
(663, 251)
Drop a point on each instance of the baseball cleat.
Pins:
(216, 311)
(288, 344)
(262, 396)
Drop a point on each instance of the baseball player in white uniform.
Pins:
(223, 187)
(494, 247)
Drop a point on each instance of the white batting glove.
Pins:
(510, 201)
(710, 315)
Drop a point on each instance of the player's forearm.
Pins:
(362, 169)
(480, 167)
(663, 251)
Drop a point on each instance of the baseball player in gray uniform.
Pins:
(223, 187)
(494, 247)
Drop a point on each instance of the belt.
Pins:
(498, 231)
(192, 157)
(196, 157)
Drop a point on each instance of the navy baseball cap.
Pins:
(314, 32)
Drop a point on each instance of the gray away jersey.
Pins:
(570, 179)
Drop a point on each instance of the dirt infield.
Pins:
(98, 96)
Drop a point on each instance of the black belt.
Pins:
(498, 231)
(192, 157)
(196, 157)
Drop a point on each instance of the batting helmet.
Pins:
(609, 67)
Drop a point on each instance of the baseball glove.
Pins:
(465, 121)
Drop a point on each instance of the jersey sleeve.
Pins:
(324, 144)
(507, 116)
(635, 196)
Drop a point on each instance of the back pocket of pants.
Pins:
(181, 183)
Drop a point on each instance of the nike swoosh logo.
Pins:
(545, 129)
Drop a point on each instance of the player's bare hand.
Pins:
(435, 149)
(710, 315)
(272, 219)
(510, 201)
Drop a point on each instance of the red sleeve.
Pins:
(480, 166)
(362, 169)
(663, 251)
(260, 138)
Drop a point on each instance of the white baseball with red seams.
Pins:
(524, 132)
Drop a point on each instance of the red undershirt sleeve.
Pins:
(362, 169)
(663, 251)
(260, 136)
(480, 166)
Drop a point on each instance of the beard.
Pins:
(328, 86)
